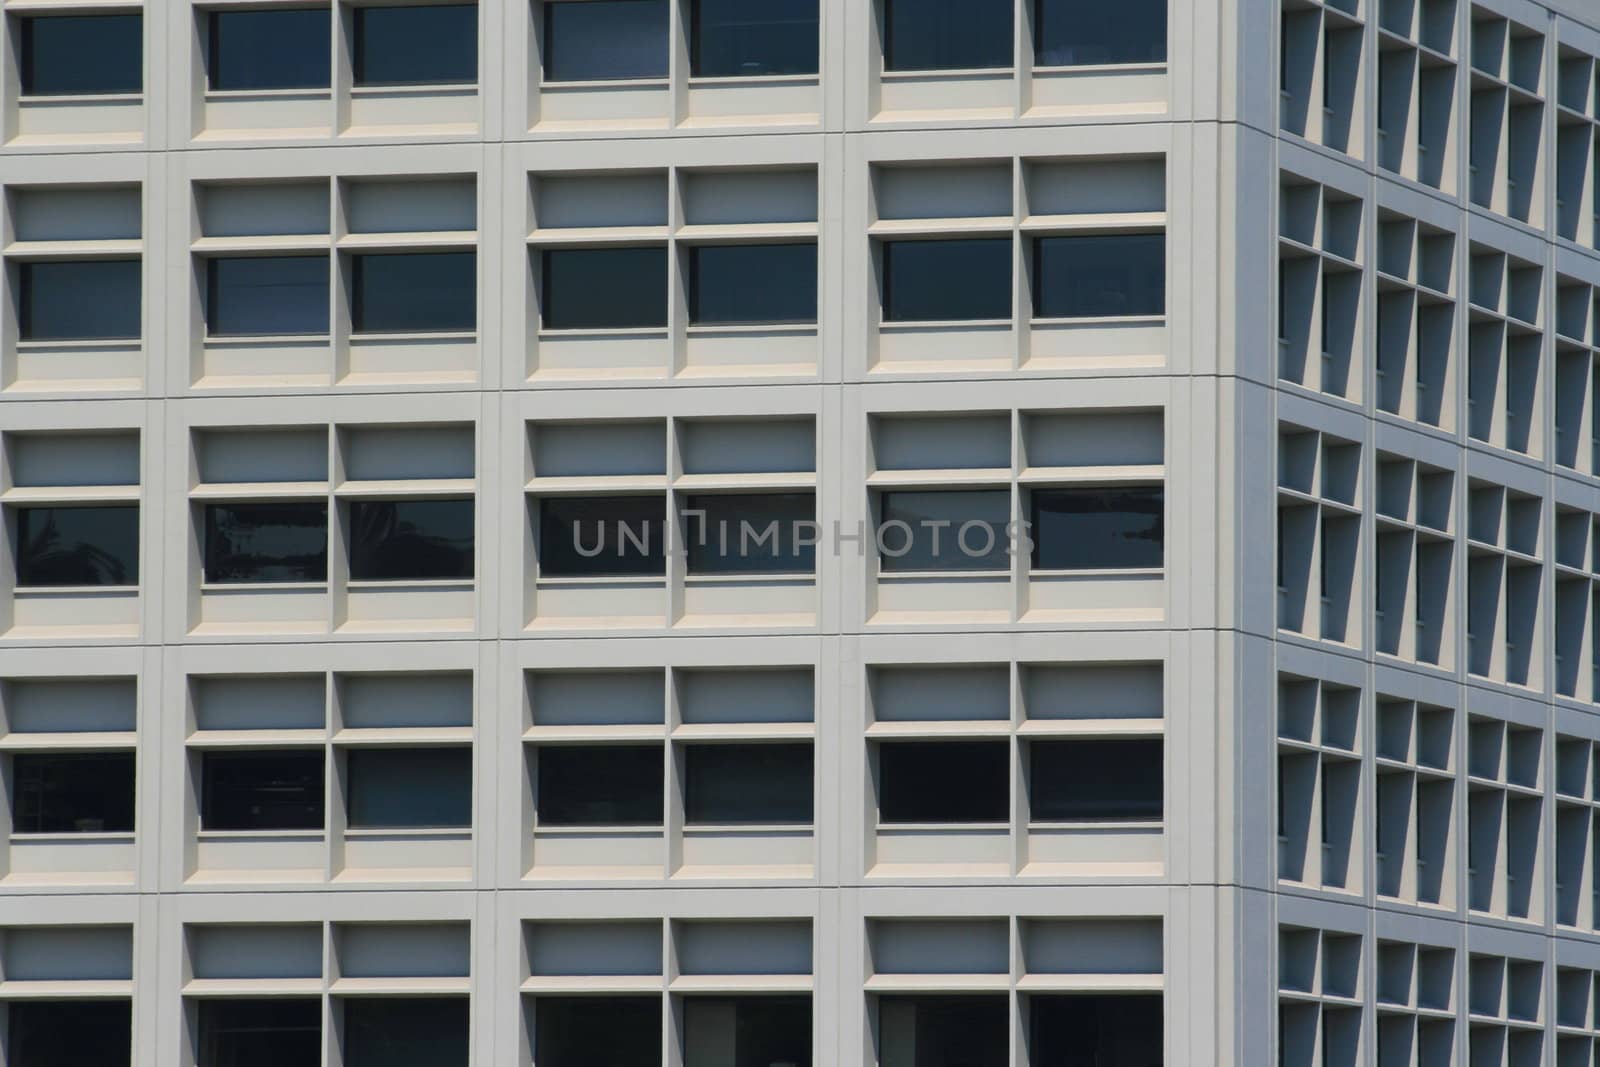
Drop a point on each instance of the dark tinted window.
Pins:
(78, 546)
(1100, 277)
(78, 300)
(1112, 778)
(945, 1031)
(604, 288)
(434, 45)
(65, 793)
(749, 1031)
(602, 535)
(54, 1033)
(405, 1032)
(1081, 1030)
(605, 40)
(275, 1032)
(599, 785)
(751, 533)
(414, 292)
(947, 35)
(277, 790)
(944, 530)
(586, 1031)
(266, 542)
(748, 783)
(944, 781)
(267, 295)
(733, 284)
(79, 54)
(964, 279)
(741, 38)
(280, 48)
(410, 539)
(1081, 33)
(1113, 528)
(420, 787)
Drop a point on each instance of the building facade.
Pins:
(1104, 557)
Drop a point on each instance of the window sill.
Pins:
(378, 584)
(1103, 320)
(734, 328)
(73, 590)
(1101, 572)
(599, 829)
(1101, 68)
(749, 828)
(948, 74)
(82, 98)
(469, 336)
(261, 835)
(922, 576)
(908, 325)
(705, 81)
(73, 837)
(1097, 824)
(74, 344)
(359, 832)
(604, 84)
(744, 578)
(414, 89)
(320, 92)
(579, 580)
(643, 332)
(944, 827)
(258, 587)
(266, 338)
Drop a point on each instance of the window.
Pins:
(605, 40)
(1114, 528)
(962, 279)
(1100, 276)
(599, 785)
(51, 304)
(68, 793)
(255, 295)
(602, 536)
(947, 35)
(1087, 33)
(741, 38)
(748, 783)
(582, 1031)
(734, 284)
(266, 1032)
(746, 1031)
(944, 530)
(1099, 1029)
(82, 55)
(63, 546)
(750, 533)
(409, 787)
(430, 45)
(945, 1031)
(1112, 778)
(944, 781)
(406, 1031)
(50, 1033)
(414, 292)
(274, 542)
(273, 48)
(604, 288)
(406, 540)
(277, 790)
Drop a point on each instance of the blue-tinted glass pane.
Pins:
(745, 38)
(266, 542)
(1095, 779)
(48, 1033)
(1100, 277)
(944, 530)
(604, 288)
(400, 540)
(1087, 33)
(608, 535)
(271, 49)
(599, 785)
(79, 300)
(78, 546)
(267, 295)
(72, 793)
(953, 281)
(1097, 529)
(730, 284)
(436, 45)
(406, 1032)
(947, 35)
(605, 40)
(414, 292)
(76, 54)
(750, 533)
(410, 787)
(274, 790)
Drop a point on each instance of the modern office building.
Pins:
(1103, 562)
